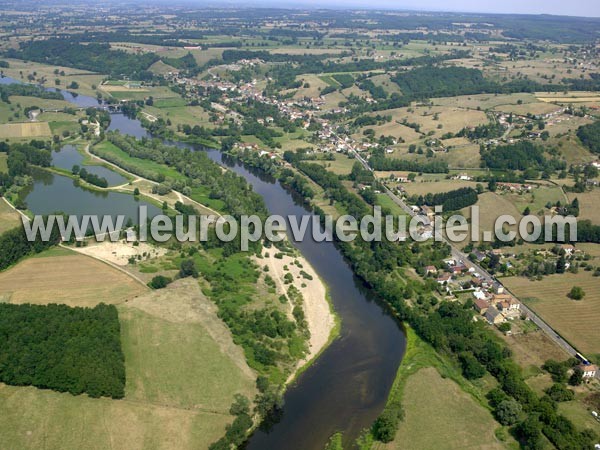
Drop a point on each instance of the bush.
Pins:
(386, 425)
(559, 393)
(188, 269)
(159, 282)
(508, 411)
(577, 293)
(472, 369)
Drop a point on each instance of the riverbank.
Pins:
(322, 322)
(139, 181)
(437, 383)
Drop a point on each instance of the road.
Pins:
(458, 255)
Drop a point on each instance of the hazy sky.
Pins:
(559, 7)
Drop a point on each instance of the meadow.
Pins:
(182, 368)
(172, 333)
(9, 218)
(86, 80)
(422, 188)
(25, 130)
(491, 206)
(442, 409)
(63, 276)
(576, 321)
(112, 152)
(588, 205)
(342, 165)
(435, 403)
(386, 202)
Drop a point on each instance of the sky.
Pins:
(585, 8)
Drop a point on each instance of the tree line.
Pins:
(451, 200)
(94, 56)
(27, 90)
(196, 169)
(379, 162)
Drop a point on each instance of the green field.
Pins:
(87, 80)
(342, 165)
(179, 113)
(440, 415)
(123, 93)
(579, 414)
(386, 202)
(112, 152)
(442, 409)
(3, 160)
(170, 102)
(166, 339)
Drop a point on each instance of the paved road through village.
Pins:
(458, 255)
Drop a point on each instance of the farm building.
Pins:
(506, 302)
(444, 278)
(589, 370)
(493, 316)
(481, 306)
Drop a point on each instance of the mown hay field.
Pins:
(25, 130)
(63, 276)
(588, 205)
(576, 321)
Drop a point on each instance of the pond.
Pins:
(68, 156)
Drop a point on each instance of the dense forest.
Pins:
(430, 81)
(427, 82)
(590, 136)
(522, 155)
(76, 350)
(14, 245)
(97, 57)
(20, 158)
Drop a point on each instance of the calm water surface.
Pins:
(346, 389)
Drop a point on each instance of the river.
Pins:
(347, 387)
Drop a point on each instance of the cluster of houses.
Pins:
(295, 109)
(490, 300)
(454, 269)
(496, 307)
(515, 187)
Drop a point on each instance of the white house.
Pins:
(589, 370)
